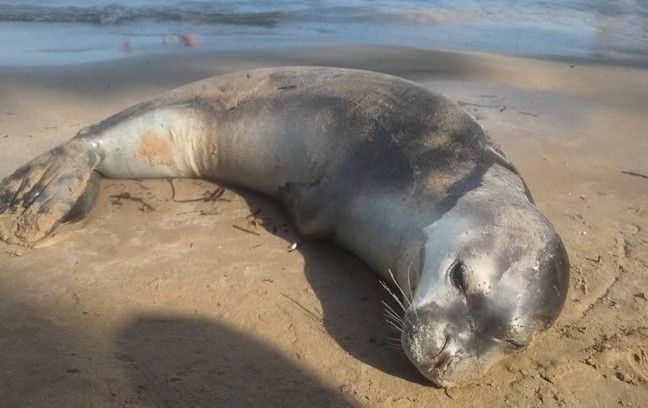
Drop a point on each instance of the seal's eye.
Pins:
(457, 275)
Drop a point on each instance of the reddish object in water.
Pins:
(188, 40)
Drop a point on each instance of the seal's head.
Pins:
(493, 274)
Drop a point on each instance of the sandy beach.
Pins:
(162, 301)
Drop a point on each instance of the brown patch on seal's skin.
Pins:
(154, 150)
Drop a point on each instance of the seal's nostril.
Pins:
(433, 355)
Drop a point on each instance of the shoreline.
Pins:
(626, 60)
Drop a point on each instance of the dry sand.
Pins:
(165, 303)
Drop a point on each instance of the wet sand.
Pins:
(161, 302)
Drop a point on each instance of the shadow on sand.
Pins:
(185, 361)
(181, 361)
(350, 295)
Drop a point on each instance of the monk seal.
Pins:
(397, 174)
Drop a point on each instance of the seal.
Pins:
(400, 176)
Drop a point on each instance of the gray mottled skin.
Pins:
(398, 175)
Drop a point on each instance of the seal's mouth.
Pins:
(430, 352)
(450, 369)
(437, 372)
(443, 347)
(454, 365)
(440, 354)
(440, 366)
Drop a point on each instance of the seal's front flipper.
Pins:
(56, 187)
(310, 210)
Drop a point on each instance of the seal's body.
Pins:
(400, 176)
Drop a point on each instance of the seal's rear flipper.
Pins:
(85, 203)
(55, 187)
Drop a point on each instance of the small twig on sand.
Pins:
(218, 193)
(207, 197)
(528, 113)
(172, 188)
(632, 173)
(116, 200)
(478, 105)
(595, 260)
(246, 230)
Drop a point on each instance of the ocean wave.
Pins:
(206, 14)
(115, 14)
(269, 14)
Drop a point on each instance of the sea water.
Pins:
(72, 31)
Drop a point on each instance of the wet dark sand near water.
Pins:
(160, 302)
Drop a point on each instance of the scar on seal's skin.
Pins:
(154, 149)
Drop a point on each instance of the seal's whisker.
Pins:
(384, 285)
(394, 326)
(394, 343)
(409, 287)
(391, 309)
(394, 346)
(409, 282)
(399, 288)
(392, 312)
(392, 316)
(395, 323)
(400, 325)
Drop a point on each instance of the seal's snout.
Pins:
(445, 350)
(432, 343)
(424, 337)
(454, 333)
